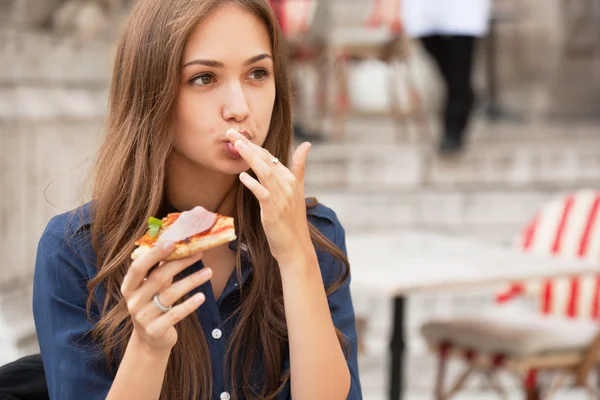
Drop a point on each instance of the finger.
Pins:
(299, 158)
(160, 277)
(166, 285)
(159, 327)
(265, 173)
(177, 290)
(172, 294)
(256, 188)
(234, 134)
(139, 267)
(260, 152)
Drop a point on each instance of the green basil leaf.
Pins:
(154, 230)
(154, 225)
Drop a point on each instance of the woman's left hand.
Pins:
(280, 192)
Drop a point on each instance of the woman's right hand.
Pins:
(154, 328)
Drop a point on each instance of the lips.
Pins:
(231, 150)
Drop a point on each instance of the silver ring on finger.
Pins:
(159, 305)
(275, 161)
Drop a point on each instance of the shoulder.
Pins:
(70, 223)
(65, 262)
(332, 259)
(66, 238)
(324, 219)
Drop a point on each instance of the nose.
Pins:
(236, 106)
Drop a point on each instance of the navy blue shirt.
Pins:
(76, 368)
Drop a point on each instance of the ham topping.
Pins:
(189, 223)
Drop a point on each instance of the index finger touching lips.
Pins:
(234, 134)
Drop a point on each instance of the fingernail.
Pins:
(207, 272)
(198, 297)
(168, 245)
(240, 145)
(231, 132)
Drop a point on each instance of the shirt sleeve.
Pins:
(75, 367)
(342, 313)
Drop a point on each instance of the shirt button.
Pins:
(225, 396)
(217, 335)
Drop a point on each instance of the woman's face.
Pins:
(227, 82)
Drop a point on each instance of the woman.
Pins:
(448, 29)
(199, 114)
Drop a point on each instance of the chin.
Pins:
(233, 167)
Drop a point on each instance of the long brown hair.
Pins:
(129, 187)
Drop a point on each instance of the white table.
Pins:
(400, 264)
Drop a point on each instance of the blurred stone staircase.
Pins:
(506, 172)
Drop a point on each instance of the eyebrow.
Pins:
(219, 64)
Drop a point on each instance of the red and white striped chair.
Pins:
(563, 337)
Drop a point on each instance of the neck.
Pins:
(189, 185)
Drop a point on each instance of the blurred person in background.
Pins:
(199, 115)
(448, 30)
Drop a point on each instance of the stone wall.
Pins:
(549, 52)
(575, 86)
(53, 88)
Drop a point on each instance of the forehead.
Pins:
(229, 34)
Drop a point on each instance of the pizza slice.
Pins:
(191, 231)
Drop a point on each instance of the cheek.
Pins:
(186, 109)
(265, 111)
(190, 125)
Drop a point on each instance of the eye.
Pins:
(203, 80)
(259, 74)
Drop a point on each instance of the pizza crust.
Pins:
(184, 250)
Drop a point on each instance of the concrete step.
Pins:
(377, 166)
(373, 127)
(493, 214)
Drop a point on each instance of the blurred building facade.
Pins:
(56, 61)
(53, 81)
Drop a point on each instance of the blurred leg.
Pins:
(454, 57)
(434, 45)
(460, 98)
(437, 48)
